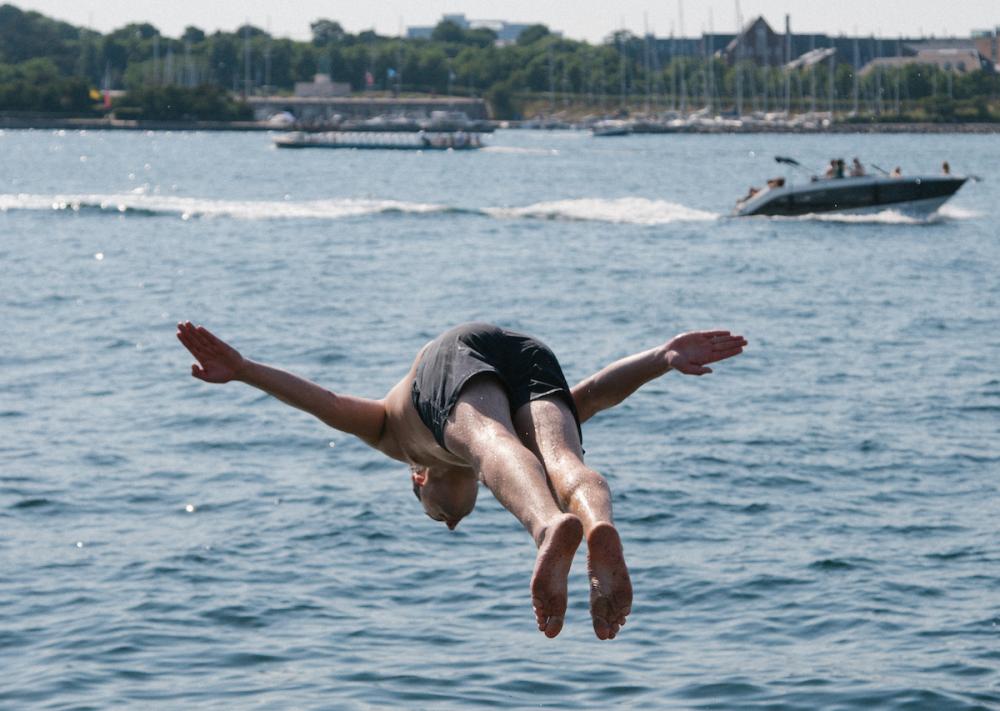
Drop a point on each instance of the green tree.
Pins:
(193, 35)
(533, 33)
(326, 32)
(447, 31)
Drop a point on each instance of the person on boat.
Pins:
(831, 170)
(857, 170)
(778, 182)
(945, 168)
(753, 190)
(482, 403)
(897, 172)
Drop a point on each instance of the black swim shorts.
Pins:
(525, 366)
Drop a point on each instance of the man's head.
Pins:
(447, 494)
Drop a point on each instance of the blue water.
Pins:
(812, 526)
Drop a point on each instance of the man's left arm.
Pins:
(688, 353)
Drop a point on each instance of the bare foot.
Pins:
(610, 586)
(548, 582)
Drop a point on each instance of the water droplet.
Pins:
(83, 159)
(99, 256)
(332, 444)
(79, 544)
(190, 508)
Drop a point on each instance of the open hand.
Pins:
(689, 352)
(218, 362)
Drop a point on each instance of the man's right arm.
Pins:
(688, 353)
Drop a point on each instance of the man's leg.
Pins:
(547, 427)
(480, 431)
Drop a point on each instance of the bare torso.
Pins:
(405, 437)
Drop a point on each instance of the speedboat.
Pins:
(918, 196)
(611, 127)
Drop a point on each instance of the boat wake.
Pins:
(139, 204)
(888, 217)
(636, 211)
(632, 210)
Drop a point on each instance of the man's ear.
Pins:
(419, 477)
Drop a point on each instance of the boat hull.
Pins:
(371, 140)
(918, 196)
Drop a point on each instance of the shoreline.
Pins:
(106, 124)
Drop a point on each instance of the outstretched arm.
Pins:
(688, 353)
(218, 362)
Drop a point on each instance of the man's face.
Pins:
(447, 494)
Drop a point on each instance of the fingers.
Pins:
(205, 339)
(200, 341)
(694, 369)
(186, 337)
(726, 342)
(723, 354)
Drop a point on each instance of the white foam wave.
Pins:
(636, 211)
(891, 217)
(885, 217)
(187, 207)
(954, 212)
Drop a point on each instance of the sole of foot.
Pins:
(548, 582)
(610, 585)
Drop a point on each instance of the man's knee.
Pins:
(582, 482)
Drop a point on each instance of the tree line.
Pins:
(51, 66)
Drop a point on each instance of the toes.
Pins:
(608, 619)
(550, 624)
(605, 630)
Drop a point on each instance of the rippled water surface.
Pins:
(812, 526)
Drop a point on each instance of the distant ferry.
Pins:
(918, 196)
(403, 140)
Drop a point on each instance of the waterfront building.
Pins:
(988, 44)
(759, 43)
(506, 32)
(322, 87)
(960, 60)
